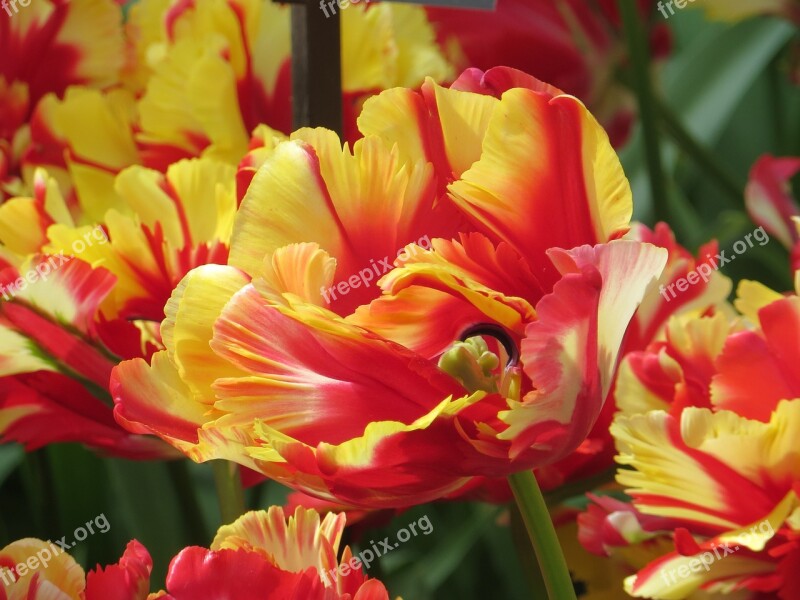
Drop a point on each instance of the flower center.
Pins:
(472, 363)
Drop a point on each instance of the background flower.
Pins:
(264, 555)
(577, 46)
(52, 28)
(708, 416)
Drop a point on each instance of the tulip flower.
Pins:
(716, 404)
(39, 570)
(488, 352)
(77, 299)
(769, 201)
(204, 78)
(261, 556)
(157, 222)
(54, 29)
(264, 556)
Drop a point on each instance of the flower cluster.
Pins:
(443, 301)
(707, 429)
(261, 556)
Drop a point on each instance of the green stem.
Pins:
(522, 544)
(229, 490)
(639, 53)
(543, 536)
(194, 524)
(724, 178)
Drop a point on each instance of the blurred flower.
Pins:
(606, 522)
(261, 556)
(38, 570)
(224, 67)
(46, 47)
(101, 298)
(769, 201)
(709, 425)
(575, 45)
(203, 77)
(362, 393)
(737, 10)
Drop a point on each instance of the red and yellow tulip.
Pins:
(264, 556)
(769, 201)
(94, 295)
(36, 570)
(709, 424)
(290, 362)
(261, 556)
(55, 29)
(203, 76)
(110, 160)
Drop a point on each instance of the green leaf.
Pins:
(11, 456)
(704, 85)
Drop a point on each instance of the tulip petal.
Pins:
(570, 352)
(762, 366)
(768, 197)
(719, 470)
(435, 295)
(31, 405)
(153, 399)
(198, 573)
(61, 579)
(130, 579)
(311, 381)
(544, 155)
(366, 207)
(295, 545)
(188, 327)
(664, 578)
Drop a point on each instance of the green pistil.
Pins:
(472, 364)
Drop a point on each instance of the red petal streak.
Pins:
(320, 384)
(755, 372)
(199, 574)
(55, 408)
(128, 580)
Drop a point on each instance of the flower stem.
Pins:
(229, 490)
(639, 53)
(719, 173)
(543, 535)
(527, 559)
(193, 523)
